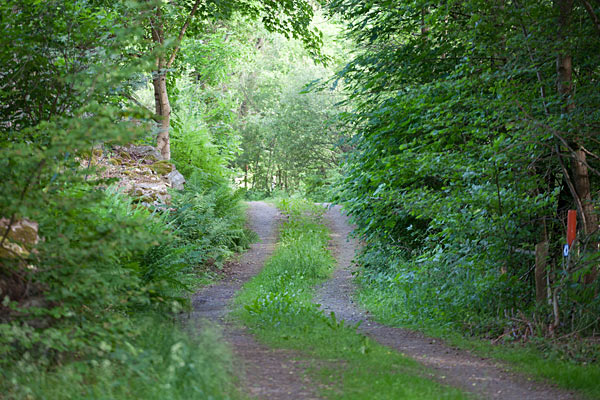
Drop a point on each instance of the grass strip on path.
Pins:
(277, 306)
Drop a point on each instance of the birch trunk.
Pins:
(163, 110)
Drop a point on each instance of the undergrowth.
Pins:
(95, 323)
(277, 306)
(159, 361)
(398, 299)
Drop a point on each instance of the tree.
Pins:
(579, 184)
(475, 130)
(172, 21)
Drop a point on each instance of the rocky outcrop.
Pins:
(140, 170)
(21, 237)
(145, 153)
(18, 240)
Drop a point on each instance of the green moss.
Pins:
(24, 234)
(162, 167)
(124, 155)
(150, 157)
(11, 250)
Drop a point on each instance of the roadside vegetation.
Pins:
(457, 134)
(277, 306)
(94, 273)
(473, 131)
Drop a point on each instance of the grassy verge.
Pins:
(165, 362)
(277, 306)
(533, 359)
(113, 276)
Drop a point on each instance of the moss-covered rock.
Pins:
(123, 155)
(22, 236)
(162, 167)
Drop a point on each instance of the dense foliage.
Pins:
(289, 133)
(475, 130)
(89, 290)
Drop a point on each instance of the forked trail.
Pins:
(280, 374)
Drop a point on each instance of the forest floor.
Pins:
(268, 373)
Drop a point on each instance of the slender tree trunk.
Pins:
(581, 179)
(163, 110)
(590, 217)
(159, 81)
(255, 173)
(541, 258)
(159, 77)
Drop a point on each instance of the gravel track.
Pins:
(265, 373)
(483, 377)
(280, 374)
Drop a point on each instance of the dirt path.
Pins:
(266, 373)
(483, 377)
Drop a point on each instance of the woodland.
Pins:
(458, 137)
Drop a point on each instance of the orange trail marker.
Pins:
(571, 226)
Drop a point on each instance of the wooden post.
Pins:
(541, 257)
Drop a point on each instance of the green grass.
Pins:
(163, 362)
(277, 306)
(533, 359)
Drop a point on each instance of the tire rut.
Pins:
(265, 373)
(483, 377)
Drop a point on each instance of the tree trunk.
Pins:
(163, 110)
(590, 218)
(159, 77)
(581, 179)
(541, 256)
(159, 81)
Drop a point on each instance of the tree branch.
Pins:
(182, 32)
(557, 135)
(570, 184)
(140, 105)
(593, 16)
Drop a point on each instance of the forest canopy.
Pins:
(460, 137)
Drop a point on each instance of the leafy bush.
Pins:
(462, 163)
